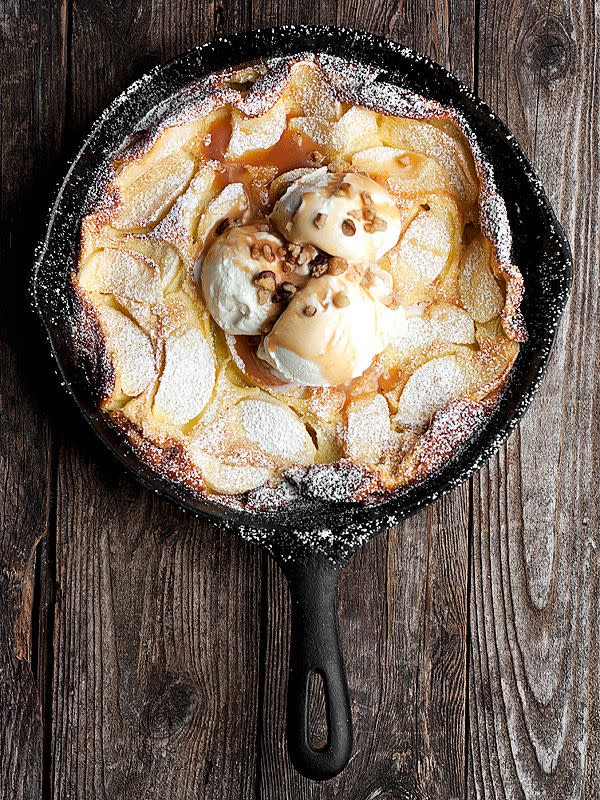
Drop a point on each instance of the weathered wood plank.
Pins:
(403, 598)
(534, 607)
(32, 81)
(157, 623)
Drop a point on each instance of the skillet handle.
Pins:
(315, 648)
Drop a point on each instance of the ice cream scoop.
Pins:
(329, 333)
(345, 214)
(239, 275)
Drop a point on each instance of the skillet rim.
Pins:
(370, 517)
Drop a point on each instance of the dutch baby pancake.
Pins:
(292, 274)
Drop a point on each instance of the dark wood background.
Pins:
(142, 652)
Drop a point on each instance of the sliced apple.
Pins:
(356, 129)
(367, 429)
(230, 203)
(231, 476)
(249, 134)
(450, 323)
(277, 430)
(480, 293)
(430, 388)
(131, 351)
(150, 196)
(405, 172)
(118, 272)
(426, 245)
(187, 380)
(311, 93)
(443, 141)
(281, 183)
(180, 224)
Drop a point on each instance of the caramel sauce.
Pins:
(290, 152)
(255, 369)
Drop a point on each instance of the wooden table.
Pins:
(142, 652)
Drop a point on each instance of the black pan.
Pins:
(313, 539)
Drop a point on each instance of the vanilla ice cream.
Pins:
(228, 274)
(329, 333)
(345, 214)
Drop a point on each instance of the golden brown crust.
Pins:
(253, 92)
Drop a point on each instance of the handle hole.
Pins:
(318, 725)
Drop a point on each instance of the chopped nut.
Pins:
(295, 249)
(368, 214)
(263, 297)
(310, 311)
(366, 198)
(315, 157)
(318, 269)
(425, 206)
(289, 287)
(336, 166)
(266, 279)
(302, 258)
(337, 265)
(283, 295)
(348, 227)
(319, 220)
(377, 224)
(287, 267)
(393, 302)
(268, 252)
(355, 213)
(346, 188)
(282, 252)
(341, 300)
(256, 252)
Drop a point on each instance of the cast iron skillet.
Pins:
(313, 539)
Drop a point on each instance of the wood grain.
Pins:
(157, 627)
(143, 654)
(403, 598)
(31, 129)
(534, 607)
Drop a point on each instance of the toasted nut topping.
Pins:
(341, 300)
(282, 251)
(355, 213)
(378, 224)
(348, 227)
(319, 220)
(283, 295)
(287, 267)
(366, 198)
(315, 157)
(266, 279)
(337, 265)
(346, 188)
(289, 287)
(263, 296)
(295, 249)
(393, 302)
(369, 214)
(319, 269)
(256, 252)
(268, 252)
(302, 258)
(310, 311)
(425, 206)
